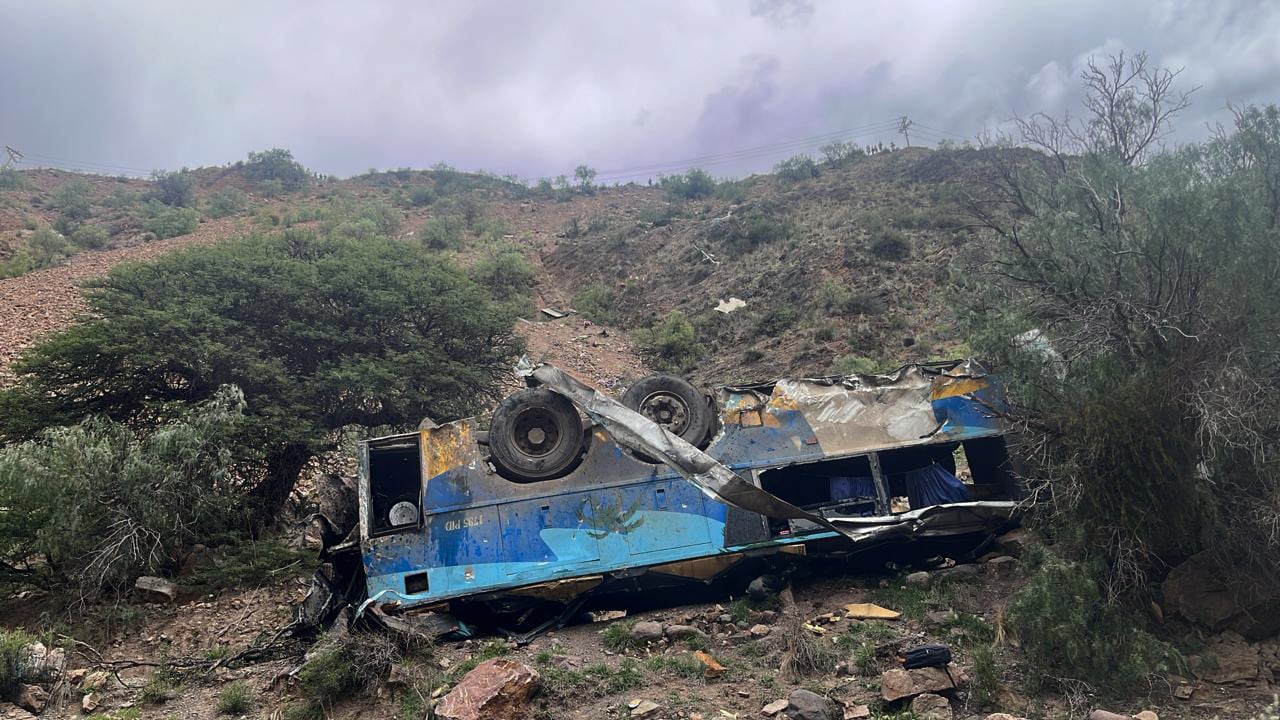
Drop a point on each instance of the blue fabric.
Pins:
(844, 488)
(934, 485)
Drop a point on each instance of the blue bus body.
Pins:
(830, 445)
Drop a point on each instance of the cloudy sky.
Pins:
(535, 88)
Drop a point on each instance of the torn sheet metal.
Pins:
(640, 434)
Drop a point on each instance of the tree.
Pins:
(277, 164)
(585, 176)
(174, 189)
(1130, 295)
(319, 334)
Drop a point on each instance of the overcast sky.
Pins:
(535, 88)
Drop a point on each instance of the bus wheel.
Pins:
(536, 434)
(674, 404)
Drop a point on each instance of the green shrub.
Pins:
(270, 188)
(659, 215)
(226, 202)
(840, 153)
(276, 166)
(235, 699)
(1067, 630)
(167, 222)
(11, 179)
(797, 168)
(754, 229)
(443, 233)
(72, 201)
(891, 244)
(175, 189)
(617, 636)
(245, 562)
(777, 319)
(102, 505)
(421, 196)
(839, 298)
(13, 659)
(506, 273)
(986, 675)
(733, 192)
(673, 343)
(595, 302)
(856, 365)
(693, 185)
(92, 237)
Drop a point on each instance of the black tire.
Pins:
(536, 434)
(674, 404)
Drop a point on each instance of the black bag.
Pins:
(927, 656)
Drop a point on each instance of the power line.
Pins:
(85, 164)
(746, 153)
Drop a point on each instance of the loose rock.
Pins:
(643, 708)
(32, 698)
(774, 707)
(497, 689)
(90, 702)
(857, 712)
(931, 707)
(1146, 715)
(1002, 716)
(760, 631)
(1105, 715)
(647, 631)
(1001, 567)
(680, 632)
(808, 705)
(156, 589)
(897, 684)
(918, 579)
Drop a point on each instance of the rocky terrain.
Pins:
(822, 286)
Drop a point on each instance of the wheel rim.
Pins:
(669, 411)
(536, 433)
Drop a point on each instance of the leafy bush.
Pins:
(891, 244)
(167, 222)
(777, 319)
(660, 215)
(797, 168)
(73, 204)
(595, 302)
(733, 192)
(838, 297)
(44, 248)
(319, 333)
(421, 196)
(11, 179)
(693, 185)
(175, 189)
(673, 343)
(1068, 630)
(754, 229)
(90, 236)
(102, 505)
(277, 165)
(857, 365)
(443, 233)
(840, 153)
(506, 273)
(235, 699)
(226, 202)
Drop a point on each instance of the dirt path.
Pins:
(47, 300)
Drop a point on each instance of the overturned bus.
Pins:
(570, 499)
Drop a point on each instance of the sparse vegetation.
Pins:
(673, 343)
(891, 245)
(167, 222)
(595, 302)
(235, 699)
(226, 202)
(693, 185)
(278, 167)
(175, 189)
(796, 169)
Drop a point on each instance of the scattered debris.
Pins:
(869, 611)
(710, 667)
(728, 306)
(553, 313)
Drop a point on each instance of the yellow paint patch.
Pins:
(447, 447)
(560, 589)
(960, 386)
(699, 568)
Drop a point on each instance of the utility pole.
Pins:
(14, 157)
(904, 129)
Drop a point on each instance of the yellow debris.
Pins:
(870, 611)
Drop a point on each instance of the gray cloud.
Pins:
(537, 88)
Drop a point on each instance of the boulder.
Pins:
(643, 708)
(1245, 602)
(857, 712)
(90, 702)
(154, 589)
(32, 698)
(680, 632)
(1013, 542)
(918, 579)
(1146, 715)
(1002, 716)
(931, 707)
(646, 631)
(807, 705)
(1105, 715)
(497, 689)
(9, 711)
(897, 684)
(959, 572)
(1001, 567)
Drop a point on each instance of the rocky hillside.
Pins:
(846, 268)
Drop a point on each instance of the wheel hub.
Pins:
(667, 410)
(536, 433)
